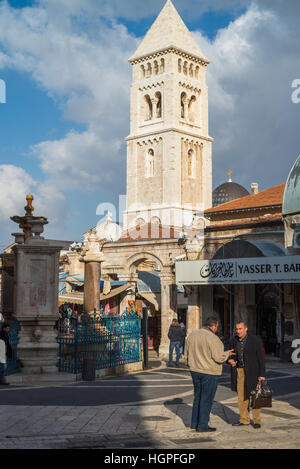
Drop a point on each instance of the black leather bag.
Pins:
(262, 396)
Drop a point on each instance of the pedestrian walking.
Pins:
(2, 361)
(205, 356)
(176, 336)
(247, 368)
(183, 340)
(5, 351)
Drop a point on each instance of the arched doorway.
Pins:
(269, 319)
(147, 268)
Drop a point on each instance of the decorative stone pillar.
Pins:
(154, 107)
(168, 308)
(92, 258)
(193, 314)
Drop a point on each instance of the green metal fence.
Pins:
(110, 341)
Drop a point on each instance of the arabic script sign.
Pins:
(283, 269)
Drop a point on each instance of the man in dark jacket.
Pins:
(247, 369)
(176, 336)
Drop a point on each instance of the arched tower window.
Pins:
(148, 108)
(155, 221)
(143, 71)
(162, 65)
(149, 70)
(158, 105)
(179, 65)
(192, 109)
(197, 72)
(185, 68)
(150, 163)
(183, 105)
(190, 163)
(156, 68)
(191, 70)
(139, 222)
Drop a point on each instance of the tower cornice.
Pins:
(168, 50)
(170, 129)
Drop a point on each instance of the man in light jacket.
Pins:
(2, 361)
(205, 356)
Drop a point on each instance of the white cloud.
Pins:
(82, 161)
(253, 120)
(85, 69)
(80, 59)
(14, 183)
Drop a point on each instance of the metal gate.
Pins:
(110, 341)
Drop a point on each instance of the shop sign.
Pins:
(283, 269)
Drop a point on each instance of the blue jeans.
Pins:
(205, 387)
(173, 345)
(2, 372)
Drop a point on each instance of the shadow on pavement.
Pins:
(185, 411)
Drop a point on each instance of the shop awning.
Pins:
(115, 292)
(151, 298)
(77, 297)
(79, 280)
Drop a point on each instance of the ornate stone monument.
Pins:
(36, 293)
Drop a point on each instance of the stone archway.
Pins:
(136, 259)
(168, 291)
(241, 248)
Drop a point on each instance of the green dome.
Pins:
(291, 196)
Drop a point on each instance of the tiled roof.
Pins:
(266, 198)
(276, 217)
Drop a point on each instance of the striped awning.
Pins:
(77, 297)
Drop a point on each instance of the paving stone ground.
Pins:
(154, 425)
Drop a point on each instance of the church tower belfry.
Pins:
(169, 165)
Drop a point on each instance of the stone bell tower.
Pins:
(169, 165)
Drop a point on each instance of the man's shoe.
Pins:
(170, 365)
(257, 425)
(206, 430)
(240, 424)
(177, 365)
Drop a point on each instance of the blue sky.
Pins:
(67, 103)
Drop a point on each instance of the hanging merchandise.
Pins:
(107, 309)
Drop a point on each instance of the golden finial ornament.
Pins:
(28, 223)
(29, 207)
